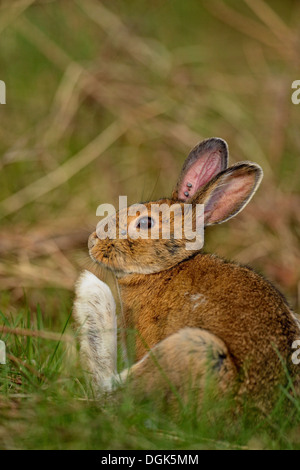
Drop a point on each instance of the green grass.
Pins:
(47, 403)
(205, 73)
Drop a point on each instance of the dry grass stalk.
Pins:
(272, 21)
(64, 172)
(48, 335)
(9, 14)
(124, 38)
(251, 27)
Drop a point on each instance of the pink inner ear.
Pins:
(227, 199)
(199, 174)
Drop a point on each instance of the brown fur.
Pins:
(165, 287)
(180, 368)
(229, 300)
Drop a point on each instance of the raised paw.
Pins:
(91, 293)
(94, 311)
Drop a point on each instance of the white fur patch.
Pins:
(89, 286)
(197, 299)
(94, 310)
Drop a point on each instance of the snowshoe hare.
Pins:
(195, 313)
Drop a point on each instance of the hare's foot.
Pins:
(186, 361)
(95, 313)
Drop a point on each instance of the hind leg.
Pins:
(182, 363)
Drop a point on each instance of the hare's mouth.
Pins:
(99, 254)
(100, 257)
(104, 255)
(105, 263)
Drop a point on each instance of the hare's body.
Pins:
(195, 314)
(228, 300)
(182, 363)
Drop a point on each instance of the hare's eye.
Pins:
(145, 223)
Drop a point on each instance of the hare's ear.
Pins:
(204, 162)
(229, 192)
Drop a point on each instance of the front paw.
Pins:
(94, 311)
(93, 298)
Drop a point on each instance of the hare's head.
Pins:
(154, 236)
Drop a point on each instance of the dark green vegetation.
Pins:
(106, 99)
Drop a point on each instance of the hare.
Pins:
(195, 313)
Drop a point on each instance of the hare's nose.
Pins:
(92, 240)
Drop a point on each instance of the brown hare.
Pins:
(195, 313)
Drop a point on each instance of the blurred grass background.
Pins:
(106, 98)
